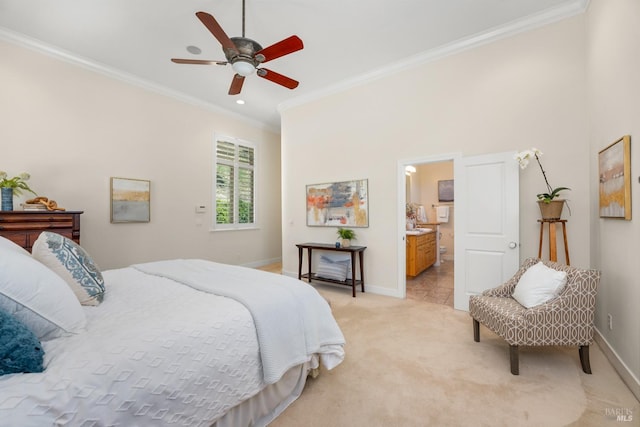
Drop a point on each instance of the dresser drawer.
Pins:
(23, 228)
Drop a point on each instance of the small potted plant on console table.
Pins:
(346, 235)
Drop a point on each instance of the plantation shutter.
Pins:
(245, 185)
(235, 183)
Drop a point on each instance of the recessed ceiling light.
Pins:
(194, 49)
(240, 101)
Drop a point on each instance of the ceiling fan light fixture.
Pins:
(243, 67)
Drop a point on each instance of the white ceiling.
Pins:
(345, 41)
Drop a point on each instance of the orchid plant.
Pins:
(523, 159)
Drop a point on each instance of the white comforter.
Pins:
(288, 333)
(155, 353)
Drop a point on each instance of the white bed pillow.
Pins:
(538, 285)
(71, 262)
(8, 245)
(330, 269)
(38, 297)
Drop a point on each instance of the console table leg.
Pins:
(309, 256)
(299, 263)
(353, 274)
(361, 255)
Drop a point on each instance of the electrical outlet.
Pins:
(610, 318)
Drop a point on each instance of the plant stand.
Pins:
(553, 251)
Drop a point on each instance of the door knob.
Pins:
(513, 245)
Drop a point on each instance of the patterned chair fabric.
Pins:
(565, 320)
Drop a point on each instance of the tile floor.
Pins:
(435, 285)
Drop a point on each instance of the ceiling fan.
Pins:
(245, 55)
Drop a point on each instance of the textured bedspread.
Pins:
(155, 353)
(292, 320)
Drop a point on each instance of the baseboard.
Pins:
(621, 368)
(378, 290)
(256, 264)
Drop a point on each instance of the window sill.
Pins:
(215, 230)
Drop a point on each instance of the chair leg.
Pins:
(513, 356)
(476, 330)
(584, 359)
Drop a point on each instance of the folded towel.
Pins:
(443, 213)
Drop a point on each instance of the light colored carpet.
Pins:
(411, 363)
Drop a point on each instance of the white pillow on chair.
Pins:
(538, 285)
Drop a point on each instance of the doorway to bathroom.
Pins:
(486, 228)
(430, 209)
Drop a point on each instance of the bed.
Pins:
(175, 342)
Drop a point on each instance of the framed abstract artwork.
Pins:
(338, 204)
(614, 172)
(130, 200)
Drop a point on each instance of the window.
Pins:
(235, 183)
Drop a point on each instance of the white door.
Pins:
(487, 224)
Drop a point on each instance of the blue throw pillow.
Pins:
(20, 350)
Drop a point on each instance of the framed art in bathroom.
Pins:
(614, 173)
(338, 204)
(445, 190)
(130, 200)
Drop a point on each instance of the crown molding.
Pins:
(528, 23)
(66, 56)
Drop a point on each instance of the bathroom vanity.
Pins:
(422, 250)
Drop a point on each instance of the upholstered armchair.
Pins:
(565, 319)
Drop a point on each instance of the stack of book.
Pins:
(33, 207)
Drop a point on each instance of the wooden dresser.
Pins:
(24, 227)
(421, 252)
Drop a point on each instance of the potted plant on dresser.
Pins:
(346, 235)
(13, 187)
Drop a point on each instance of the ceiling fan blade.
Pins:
(212, 25)
(236, 84)
(283, 47)
(277, 78)
(197, 61)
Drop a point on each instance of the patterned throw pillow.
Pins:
(339, 257)
(330, 269)
(20, 350)
(71, 262)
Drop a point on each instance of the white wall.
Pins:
(613, 43)
(73, 129)
(527, 90)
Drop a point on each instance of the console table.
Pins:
(24, 227)
(353, 250)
